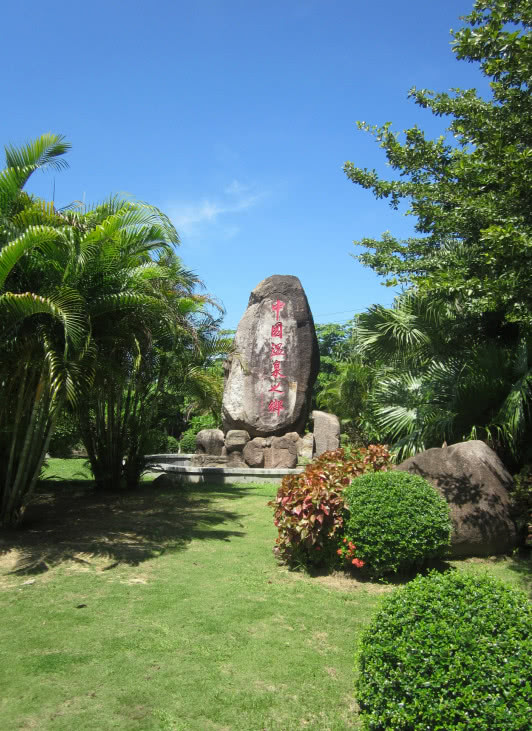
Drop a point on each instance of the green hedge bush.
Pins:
(396, 520)
(448, 651)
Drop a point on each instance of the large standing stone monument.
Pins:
(270, 377)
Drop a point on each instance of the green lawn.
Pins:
(165, 609)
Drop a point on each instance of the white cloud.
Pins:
(236, 188)
(188, 217)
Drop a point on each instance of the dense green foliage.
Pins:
(97, 312)
(171, 445)
(66, 435)
(458, 345)
(43, 329)
(309, 508)
(521, 497)
(438, 379)
(345, 381)
(469, 191)
(448, 651)
(396, 520)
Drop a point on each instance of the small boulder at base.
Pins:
(326, 432)
(283, 452)
(236, 440)
(305, 447)
(270, 376)
(254, 451)
(210, 441)
(475, 483)
(235, 459)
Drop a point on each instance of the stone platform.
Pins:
(182, 460)
(219, 475)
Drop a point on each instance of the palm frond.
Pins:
(45, 151)
(65, 307)
(43, 237)
(514, 412)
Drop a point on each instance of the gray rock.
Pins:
(254, 451)
(210, 441)
(305, 447)
(326, 432)
(475, 483)
(270, 377)
(235, 459)
(283, 451)
(236, 439)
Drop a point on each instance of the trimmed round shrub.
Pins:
(396, 520)
(448, 651)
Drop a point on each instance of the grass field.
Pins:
(165, 609)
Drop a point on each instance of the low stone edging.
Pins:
(182, 459)
(225, 475)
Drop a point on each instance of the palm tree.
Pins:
(446, 377)
(41, 322)
(92, 305)
(143, 308)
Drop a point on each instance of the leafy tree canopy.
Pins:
(469, 189)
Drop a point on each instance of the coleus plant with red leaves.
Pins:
(309, 508)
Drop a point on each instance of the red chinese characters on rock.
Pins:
(276, 373)
(276, 350)
(275, 405)
(277, 307)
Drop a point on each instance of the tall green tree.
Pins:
(93, 303)
(144, 312)
(469, 189)
(469, 269)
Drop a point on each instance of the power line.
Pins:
(340, 312)
(332, 322)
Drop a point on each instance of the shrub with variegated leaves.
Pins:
(309, 507)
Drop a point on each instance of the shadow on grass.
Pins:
(363, 577)
(68, 521)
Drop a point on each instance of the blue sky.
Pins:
(235, 117)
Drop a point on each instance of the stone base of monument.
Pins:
(181, 460)
(237, 449)
(220, 475)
